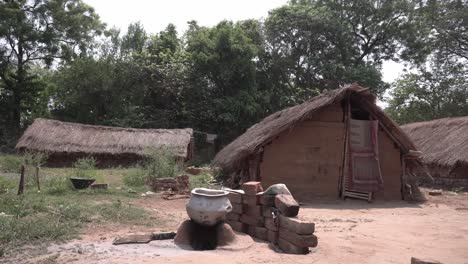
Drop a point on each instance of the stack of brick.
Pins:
(233, 218)
(271, 218)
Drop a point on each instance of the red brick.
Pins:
(252, 187)
(233, 217)
(270, 224)
(235, 197)
(286, 204)
(238, 226)
(258, 232)
(236, 208)
(267, 211)
(295, 225)
(267, 199)
(272, 236)
(290, 248)
(250, 199)
(252, 210)
(252, 220)
(298, 240)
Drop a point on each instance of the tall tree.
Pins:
(324, 43)
(440, 90)
(35, 32)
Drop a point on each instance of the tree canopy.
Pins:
(59, 60)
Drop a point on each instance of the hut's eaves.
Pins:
(232, 156)
(444, 142)
(63, 137)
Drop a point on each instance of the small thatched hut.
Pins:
(307, 146)
(65, 142)
(444, 143)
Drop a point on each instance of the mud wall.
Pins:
(390, 166)
(308, 159)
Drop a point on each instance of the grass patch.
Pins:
(43, 217)
(10, 163)
(134, 177)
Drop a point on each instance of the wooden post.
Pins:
(21, 182)
(37, 178)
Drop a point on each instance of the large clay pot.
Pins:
(208, 207)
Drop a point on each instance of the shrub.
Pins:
(202, 180)
(135, 177)
(57, 185)
(160, 163)
(36, 159)
(85, 168)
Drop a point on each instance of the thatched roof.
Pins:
(444, 142)
(232, 156)
(55, 136)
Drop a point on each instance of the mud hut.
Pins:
(444, 143)
(111, 146)
(338, 144)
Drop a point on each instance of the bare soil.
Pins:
(349, 231)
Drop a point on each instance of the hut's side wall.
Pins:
(390, 165)
(308, 159)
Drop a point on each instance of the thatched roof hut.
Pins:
(444, 143)
(66, 141)
(314, 133)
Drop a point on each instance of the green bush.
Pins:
(57, 185)
(85, 168)
(135, 177)
(10, 163)
(160, 163)
(36, 159)
(202, 180)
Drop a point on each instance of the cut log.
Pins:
(290, 248)
(298, 240)
(252, 210)
(133, 239)
(236, 208)
(163, 235)
(286, 204)
(295, 225)
(266, 199)
(233, 216)
(252, 220)
(252, 187)
(270, 224)
(235, 197)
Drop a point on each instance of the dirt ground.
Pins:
(349, 231)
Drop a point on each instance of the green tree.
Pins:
(36, 33)
(441, 90)
(321, 44)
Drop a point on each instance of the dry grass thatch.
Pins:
(63, 137)
(231, 157)
(444, 142)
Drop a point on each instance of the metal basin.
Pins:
(208, 207)
(81, 183)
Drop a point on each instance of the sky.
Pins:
(155, 15)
